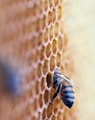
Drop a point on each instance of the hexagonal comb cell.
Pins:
(41, 100)
(48, 50)
(58, 59)
(46, 96)
(43, 83)
(42, 52)
(52, 62)
(49, 79)
(39, 70)
(44, 114)
(49, 110)
(45, 66)
(54, 46)
(32, 37)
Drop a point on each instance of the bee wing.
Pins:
(70, 81)
(60, 74)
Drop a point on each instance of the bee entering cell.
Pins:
(64, 87)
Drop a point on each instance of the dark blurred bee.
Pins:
(10, 80)
(13, 82)
(64, 86)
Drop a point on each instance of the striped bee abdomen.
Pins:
(67, 95)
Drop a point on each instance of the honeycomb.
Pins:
(32, 37)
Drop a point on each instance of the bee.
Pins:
(10, 79)
(64, 87)
(13, 82)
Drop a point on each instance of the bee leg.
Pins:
(58, 90)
